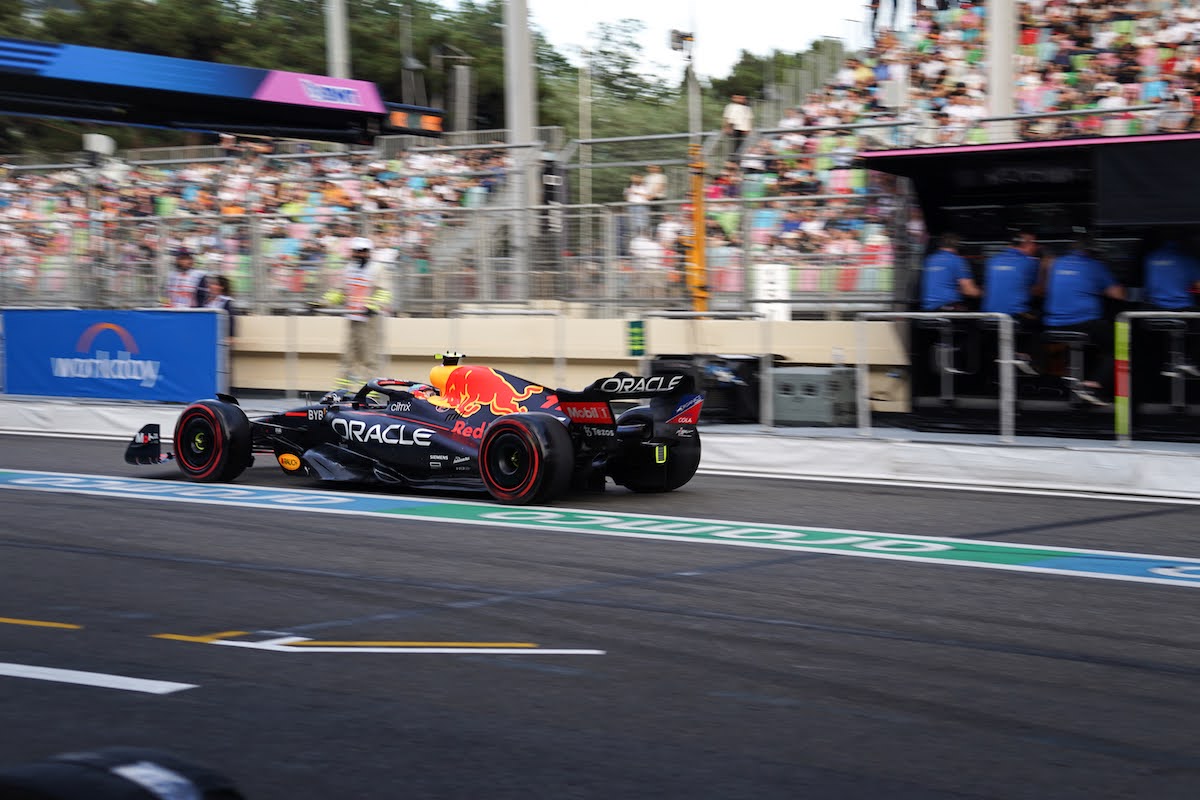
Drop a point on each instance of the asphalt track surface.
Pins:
(727, 672)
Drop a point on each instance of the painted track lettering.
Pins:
(1062, 561)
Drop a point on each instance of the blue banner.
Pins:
(160, 356)
(122, 68)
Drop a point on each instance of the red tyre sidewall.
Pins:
(533, 479)
(216, 461)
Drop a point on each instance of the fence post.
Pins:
(1122, 411)
(862, 375)
(766, 378)
(610, 245)
(1123, 396)
(1007, 380)
(746, 256)
(257, 266)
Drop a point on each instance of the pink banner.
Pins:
(320, 91)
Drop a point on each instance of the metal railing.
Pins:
(603, 260)
(1123, 396)
(918, 128)
(1006, 361)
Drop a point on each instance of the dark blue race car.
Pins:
(470, 427)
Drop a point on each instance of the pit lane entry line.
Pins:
(299, 644)
(101, 679)
(38, 623)
(962, 552)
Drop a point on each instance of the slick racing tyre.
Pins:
(640, 467)
(526, 458)
(212, 441)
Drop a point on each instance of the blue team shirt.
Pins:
(1008, 278)
(1170, 274)
(1075, 290)
(939, 281)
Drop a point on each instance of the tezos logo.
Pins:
(101, 365)
(657, 383)
(355, 430)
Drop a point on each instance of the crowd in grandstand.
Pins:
(1072, 55)
(130, 218)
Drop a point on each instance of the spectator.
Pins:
(946, 282)
(220, 295)
(655, 184)
(1075, 290)
(648, 265)
(365, 298)
(1012, 278)
(668, 233)
(637, 197)
(1171, 277)
(792, 119)
(185, 286)
(737, 121)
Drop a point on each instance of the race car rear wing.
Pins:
(624, 386)
(672, 398)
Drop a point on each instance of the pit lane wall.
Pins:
(302, 353)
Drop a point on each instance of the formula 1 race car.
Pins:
(471, 427)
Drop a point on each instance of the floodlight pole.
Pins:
(1001, 78)
(337, 40)
(520, 109)
(585, 127)
(697, 242)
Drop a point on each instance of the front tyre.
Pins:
(213, 441)
(641, 467)
(526, 458)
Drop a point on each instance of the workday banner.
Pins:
(161, 356)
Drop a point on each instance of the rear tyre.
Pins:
(636, 465)
(213, 442)
(526, 458)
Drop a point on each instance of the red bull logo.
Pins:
(471, 388)
(468, 431)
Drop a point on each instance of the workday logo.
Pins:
(102, 364)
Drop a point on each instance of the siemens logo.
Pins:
(324, 93)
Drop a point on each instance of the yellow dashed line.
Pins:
(212, 637)
(37, 623)
(313, 643)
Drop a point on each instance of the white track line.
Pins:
(100, 679)
(953, 486)
(1047, 490)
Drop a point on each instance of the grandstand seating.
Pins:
(1072, 56)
